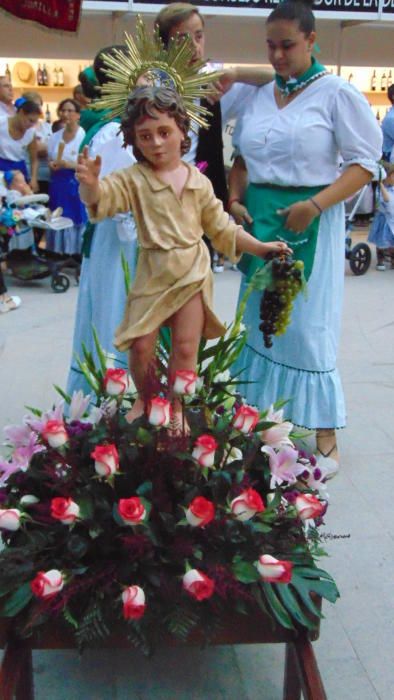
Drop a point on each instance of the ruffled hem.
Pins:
(299, 387)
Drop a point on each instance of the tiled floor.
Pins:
(355, 651)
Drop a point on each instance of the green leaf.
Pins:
(63, 394)
(245, 572)
(144, 489)
(291, 604)
(143, 436)
(303, 590)
(100, 351)
(126, 272)
(17, 601)
(279, 611)
(261, 527)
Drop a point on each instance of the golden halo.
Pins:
(146, 56)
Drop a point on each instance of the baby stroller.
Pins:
(359, 255)
(28, 263)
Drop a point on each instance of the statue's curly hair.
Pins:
(142, 102)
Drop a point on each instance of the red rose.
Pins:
(274, 570)
(185, 382)
(198, 585)
(55, 433)
(115, 381)
(246, 418)
(200, 512)
(131, 510)
(159, 411)
(308, 506)
(65, 510)
(47, 583)
(106, 459)
(247, 504)
(133, 603)
(204, 450)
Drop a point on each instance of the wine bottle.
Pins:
(350, 78)
(60, 76)
(45, 80)
(47, 115)
(389, 79)
(39, 75)
(373, 81)
(7, 72)
(55, 77)
(378, 116)
(383, 82)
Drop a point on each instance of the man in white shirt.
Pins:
(7, 108)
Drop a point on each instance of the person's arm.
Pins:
(32, 150)
(385, 194)
(301, 214)
(251, 75)
(237, 183)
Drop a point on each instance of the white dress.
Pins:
(302, 145)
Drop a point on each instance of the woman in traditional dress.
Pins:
(17, 135)
(292, 135)
(63, 147)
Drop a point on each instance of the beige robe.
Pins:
(173, 262)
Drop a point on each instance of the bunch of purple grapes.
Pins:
(277, 299)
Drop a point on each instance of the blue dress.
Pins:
(381, 232)
(102, 293)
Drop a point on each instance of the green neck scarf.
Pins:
(287, 87)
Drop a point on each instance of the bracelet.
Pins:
(231, 201)
(318, 207)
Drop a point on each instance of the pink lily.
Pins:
(283, 465)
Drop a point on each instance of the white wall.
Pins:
(229, 39)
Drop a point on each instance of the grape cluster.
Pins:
(277, 299)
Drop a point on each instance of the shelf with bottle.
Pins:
(44, 73)
(373, 82)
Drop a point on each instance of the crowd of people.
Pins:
(294, 127)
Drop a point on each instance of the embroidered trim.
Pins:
(281, 364)
(290, 87)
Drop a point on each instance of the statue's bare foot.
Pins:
(137, 410)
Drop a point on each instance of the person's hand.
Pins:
(222, 85)
(274, 248)
(88, 169)
(299, 215)
(240, 214)
(34, 185)
(54, 165)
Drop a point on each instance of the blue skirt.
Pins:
(380, 233)
(63, 192)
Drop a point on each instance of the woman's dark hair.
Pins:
(99, 65)
(299, 11)
(142, 102)
(73, 102)
(173, 14)
(390, 93)
(88, 81)
(27, 106)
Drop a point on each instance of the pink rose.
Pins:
(131, 510)
(159, 411)
(55, 433)
(65, 510)
(204, 450)
(198, 585)
(246, 419)
(115, 381)
(134, 606)
(274, 570)
(247, 504)
(185, 382)
(106, 459)
(47, 583)
(10, 519)
(308, 506)
(200, 512)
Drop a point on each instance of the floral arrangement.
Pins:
(107, 521)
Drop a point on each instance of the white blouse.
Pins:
(71, 148)
(303, 143)
(14, 149)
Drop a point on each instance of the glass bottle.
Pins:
(350, 78)
(7, 72)
(373, 80)
(383, 82)
(47, 115)
(389, 79)
(55, 77)
(39, 75)
(378, 116)
(45, 80)
(60, 76)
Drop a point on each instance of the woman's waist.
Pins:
(282, 187)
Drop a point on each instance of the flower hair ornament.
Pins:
(145, 56)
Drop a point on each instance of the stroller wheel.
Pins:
(360, 258)
(60, 283)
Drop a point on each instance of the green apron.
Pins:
(262, 202)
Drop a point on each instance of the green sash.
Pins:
(262, 202)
